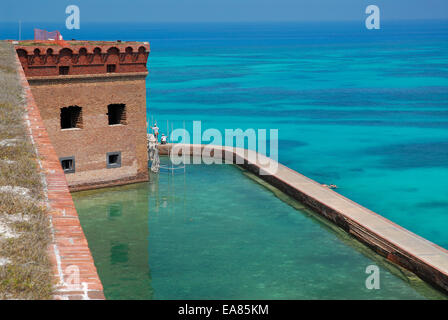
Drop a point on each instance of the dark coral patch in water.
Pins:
(433, 204)
(413, 155)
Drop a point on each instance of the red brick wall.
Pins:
(90, 144)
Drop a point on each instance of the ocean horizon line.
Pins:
(361, 20)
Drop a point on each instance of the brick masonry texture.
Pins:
(91, 144)
(69, 251)
(89, 86)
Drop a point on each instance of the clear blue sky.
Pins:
(219, 10)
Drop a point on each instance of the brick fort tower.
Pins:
(92, 99)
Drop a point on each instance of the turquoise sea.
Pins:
(366, 110)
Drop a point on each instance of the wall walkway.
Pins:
(73, 266)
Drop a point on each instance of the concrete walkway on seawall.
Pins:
(420, 256)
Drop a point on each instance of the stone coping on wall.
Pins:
(89, 77)
(399, 245)
(73, 266)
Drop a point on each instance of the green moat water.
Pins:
(216, 233)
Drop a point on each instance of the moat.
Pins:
(216, 233)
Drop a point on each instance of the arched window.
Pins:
(113, 50)
(66, 52)
(21, 53)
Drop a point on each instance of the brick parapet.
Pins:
(82, 57)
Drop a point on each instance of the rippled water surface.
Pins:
(214, 233)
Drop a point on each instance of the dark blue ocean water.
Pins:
(366, 110)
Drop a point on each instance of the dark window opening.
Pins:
(63, 70)
(116, 114)
(71, 117)
(111, 67)
(68, 164)
(113, 159)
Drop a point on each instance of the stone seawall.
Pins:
(400, 246)
(73, 266)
